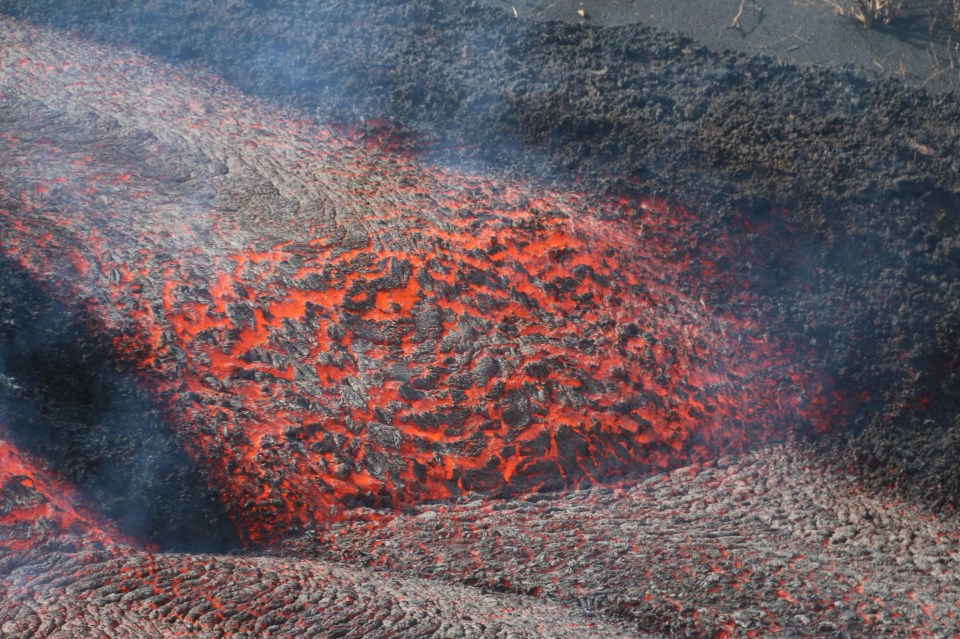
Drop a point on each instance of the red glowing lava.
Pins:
(36, 505)
(331, 323)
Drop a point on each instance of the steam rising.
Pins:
(63, 400)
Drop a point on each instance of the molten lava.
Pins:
(332, 323)
(36, 505)
(328, 321)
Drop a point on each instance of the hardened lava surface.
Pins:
(64, 573)
(779, 542)
(330, 323)
(129, 594)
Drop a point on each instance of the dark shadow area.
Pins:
(62, 398)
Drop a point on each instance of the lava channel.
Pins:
(331, 323)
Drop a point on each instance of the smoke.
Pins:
(353, 63)
(64, 399)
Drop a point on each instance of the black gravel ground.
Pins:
(915, 41)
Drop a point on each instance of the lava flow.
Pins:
(332, 324)
(37, 506)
